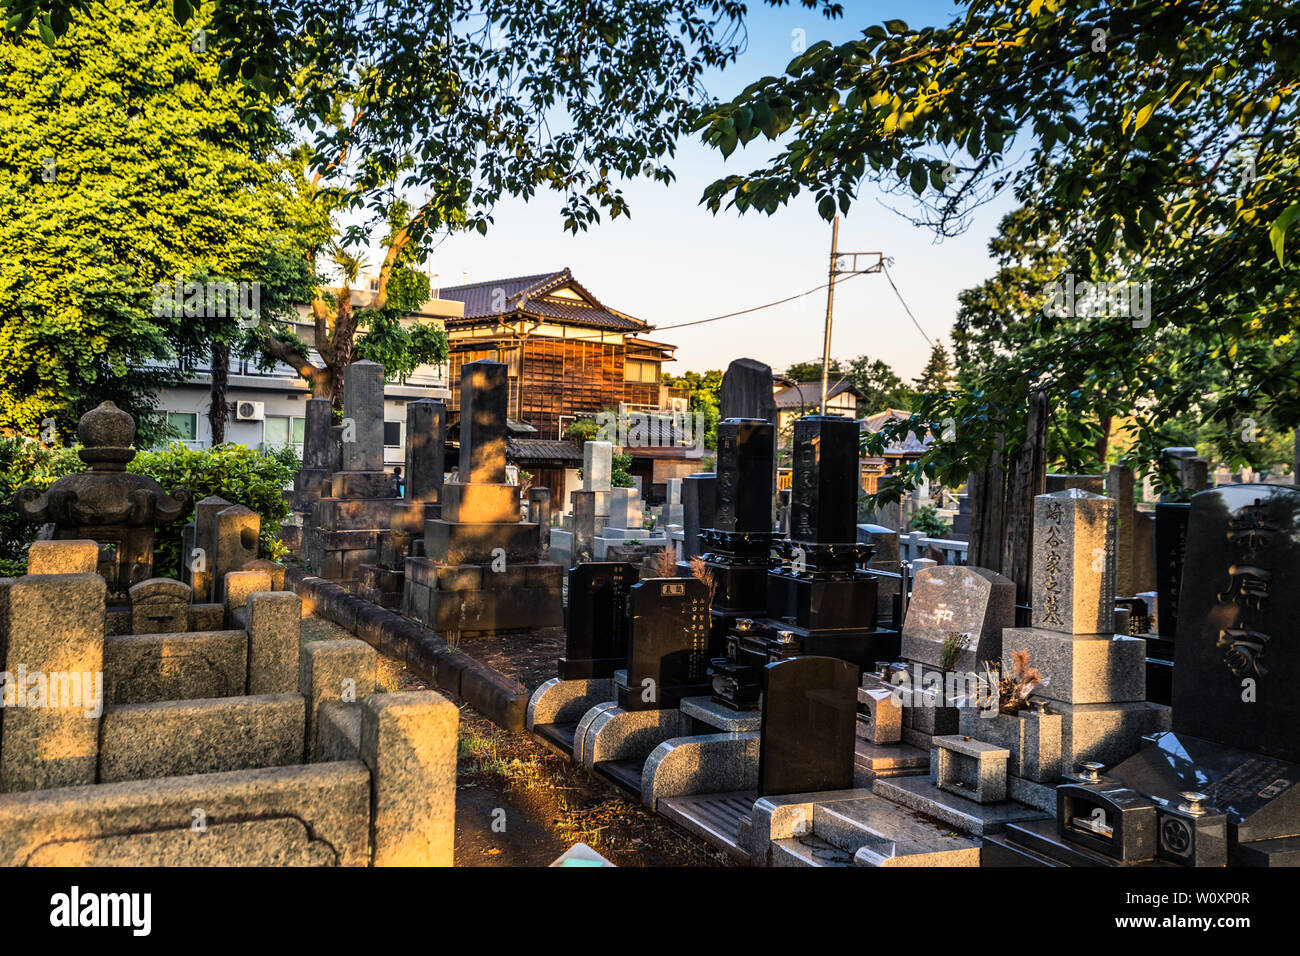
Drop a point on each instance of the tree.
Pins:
(937, 374)
(880, 385)
(127, 170)
(1172, 124)
(705, 388)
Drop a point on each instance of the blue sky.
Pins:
(673, 261)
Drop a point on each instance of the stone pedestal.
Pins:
(481, 571)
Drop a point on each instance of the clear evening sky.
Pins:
(673, 261)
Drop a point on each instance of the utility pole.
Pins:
(837, 268)
(830, 308)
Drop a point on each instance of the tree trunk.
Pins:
(1103, 442)
(986, 490)
(217, 411)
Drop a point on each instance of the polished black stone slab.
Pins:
(596, 620)
(809, 713)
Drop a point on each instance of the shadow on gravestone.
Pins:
(809, 716)
(746, 391)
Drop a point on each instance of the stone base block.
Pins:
(1107, 733)
(449, 543)
(971, 768)
(480, 503)
(364, 485)
(558, 700)
(711, 763)
(1084, 669)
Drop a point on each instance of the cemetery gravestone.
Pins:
(667, 645)
(809, 713)
(596, 620)
(958, 599)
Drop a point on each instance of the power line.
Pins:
(757, 308)
(905, 308)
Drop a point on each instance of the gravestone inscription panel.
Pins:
(1238, 660)
(668, 643)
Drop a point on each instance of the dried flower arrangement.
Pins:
(1015, 689)
(954, 642)
(701, 570)
(666, 562)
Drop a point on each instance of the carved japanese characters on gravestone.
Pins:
(1095, 678)
(596, 619)
(160, 606)
(668, 644)
(809, 714)
(1171, 545)
(316, 468)
(1237, 666)
(963, 600)
(117, 510)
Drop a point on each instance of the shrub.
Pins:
(927, 521)
(24, 461)
(241, 475)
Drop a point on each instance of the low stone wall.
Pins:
(501, 699)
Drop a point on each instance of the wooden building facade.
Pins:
(569, 356)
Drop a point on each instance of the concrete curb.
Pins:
(501, 699)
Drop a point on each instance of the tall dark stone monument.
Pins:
(739, 544)
(746, 391)
(1235, 713)
(667, 644)
(808, 717)
(699, 510)
(309, 483)
(596, 620)
(820, 600)
(482, 570)
(1171, 544)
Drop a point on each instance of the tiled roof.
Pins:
(911, 445)
(527, 295)
(541, 449)
(802, 394)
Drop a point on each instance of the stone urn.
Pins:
(119, 511)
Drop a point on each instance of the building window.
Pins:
(184, 425)
(635, 370)
(392, 434)
(279, 430)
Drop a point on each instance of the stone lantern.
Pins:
(119, 511)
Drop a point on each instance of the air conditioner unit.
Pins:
(679, 405)
(250, 411)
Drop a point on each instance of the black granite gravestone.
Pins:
(699, 511)
(825, 482)
(746, 391)
(1235, 708)
(596, 620)
(807, 731)
(1171, 542)
(426, 438)
(745, 479)
(668, 642)
(1238, 664)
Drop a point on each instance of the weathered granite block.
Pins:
(961, 599)
(597, 465)
(179, 737)
(480, 543)
(353, 485)
(55, 655)
(409, 743)
(1032, 737)
(237, 586)
(883, 723)
(972, 769)
(363, 417)
(1073, 578)
(281, 816)
(160, 606)
(558, 700)
(1084, 669)
(338, 733)
(708, 763)
(67, 556)
(334, 671)
(480, 503)
(141, 668)
(274, 630)
(1107, 733)
(235, 539)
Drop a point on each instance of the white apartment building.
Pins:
(267, 409)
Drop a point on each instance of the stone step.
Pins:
(880, 833)
(920, 794)
(719, 818)
(808, 851)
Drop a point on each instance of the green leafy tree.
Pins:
(938, 373)
(127, 165)
(705, 389)
(875, 378)
(1171, 124)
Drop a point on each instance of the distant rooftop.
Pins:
(550, 296)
